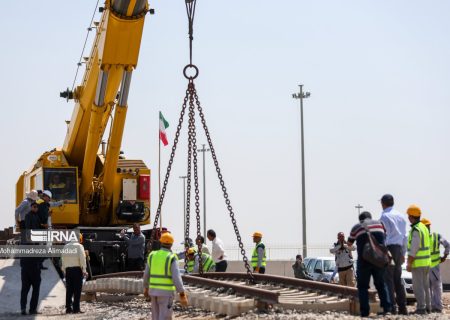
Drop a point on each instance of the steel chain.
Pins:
(222, 183)
(189, 175)
(192, 134)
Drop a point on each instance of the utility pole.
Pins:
(359, 207)
(203, 150)
(302, 95)
(184, 201)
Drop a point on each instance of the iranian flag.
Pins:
(163, 125)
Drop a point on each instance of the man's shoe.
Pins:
(24, 312)
(78, 311)
(422, 311)
(69, 311)
(34, 312)
(436, 311)
(403, 311)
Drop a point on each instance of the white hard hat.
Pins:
(33, 195)
(48, 193)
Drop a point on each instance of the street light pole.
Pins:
(359, 207)
(184, 201)
(302, 95)
(203, 150)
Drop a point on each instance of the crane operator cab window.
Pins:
(62, 182)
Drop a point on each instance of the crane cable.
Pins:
(89, 29)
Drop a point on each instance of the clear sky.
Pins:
(377, 120)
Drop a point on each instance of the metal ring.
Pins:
(193, 66)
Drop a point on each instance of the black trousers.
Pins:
(393, 276)
(74, 283)
(262, 270)
(221, 266)
(135, 264)
(31, 277)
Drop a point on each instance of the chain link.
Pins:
(189, 176)
(193, 135)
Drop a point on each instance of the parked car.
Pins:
(319, 268)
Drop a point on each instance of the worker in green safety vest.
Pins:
(193, 265)
(436, 240)
(162, 279)
(259, 254)
(419, 261)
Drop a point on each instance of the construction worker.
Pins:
(162, 278)
(201, 240)
(259, 254)
(435, 273)
(25, 207)
(193, 265)
(419, 261)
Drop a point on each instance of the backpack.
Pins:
(375, 253)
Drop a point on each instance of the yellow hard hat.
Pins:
(166, 238)
(425, 221)
(191, 251)
(257, 234)
(414, 211)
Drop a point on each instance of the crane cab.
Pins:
(52, 172)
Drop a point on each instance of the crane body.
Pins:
(102, 191)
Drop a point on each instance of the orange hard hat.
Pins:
(414, 211)
(191, 251)
(425, 221)
(167, 238)
(257, 234)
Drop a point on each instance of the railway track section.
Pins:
(232, 294)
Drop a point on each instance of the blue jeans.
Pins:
(364, 271)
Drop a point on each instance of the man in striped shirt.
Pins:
(364, 269)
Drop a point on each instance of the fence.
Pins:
(273, 252)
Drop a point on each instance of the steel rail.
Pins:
(256, 293)
(300, 283)
(209, 279)
(128, 274)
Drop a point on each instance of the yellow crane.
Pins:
(102, 192)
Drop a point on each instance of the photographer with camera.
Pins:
(344, 261)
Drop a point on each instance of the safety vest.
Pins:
(435, 252)
(159, 263)
(422, 258)
(255, 255)
(208, 263)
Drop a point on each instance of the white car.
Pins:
(320, 268)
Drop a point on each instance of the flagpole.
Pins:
(159, 175)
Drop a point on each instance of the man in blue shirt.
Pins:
(395, 224)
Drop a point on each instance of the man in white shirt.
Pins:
(395, 225)
(218, 251)
(74, 267)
